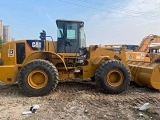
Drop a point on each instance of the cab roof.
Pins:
(64, 20)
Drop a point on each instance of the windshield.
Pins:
(71, 30)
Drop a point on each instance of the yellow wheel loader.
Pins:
(144, 63)
(38, 65)
(145, 52)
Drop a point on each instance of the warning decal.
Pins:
(10, 53)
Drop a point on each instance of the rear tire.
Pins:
(38, 78)
(113, 76)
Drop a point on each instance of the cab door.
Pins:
(68, 37)
(72, 38)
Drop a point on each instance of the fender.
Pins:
(99, 60)
(42, 55)
(90, 69)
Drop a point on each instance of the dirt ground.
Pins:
(80, 101)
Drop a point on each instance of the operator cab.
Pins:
(70, 36)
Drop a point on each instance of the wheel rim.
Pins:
(37, 79)
(114, 78)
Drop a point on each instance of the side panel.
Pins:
(137, 56)
(8, 74)
(8, 53)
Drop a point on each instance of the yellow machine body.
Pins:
(137, 56)
(38, 65)
(12, 61)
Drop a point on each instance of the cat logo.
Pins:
(36, 44)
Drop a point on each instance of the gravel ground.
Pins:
(80, 101)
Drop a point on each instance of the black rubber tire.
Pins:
(92, 78)
(157, 60)
(104, 69)
(38, 64)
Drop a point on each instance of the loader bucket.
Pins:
(145, 74)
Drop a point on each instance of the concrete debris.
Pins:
(144, 107)
(33, 109)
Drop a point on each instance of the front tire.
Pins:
(157, 60)
(38, 78)
(113, 76)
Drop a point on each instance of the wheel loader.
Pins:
(144, 52)
(38, 65)
(144, 63)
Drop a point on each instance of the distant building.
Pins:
(1, 29)
(6, 33)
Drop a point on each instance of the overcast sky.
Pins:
(106, 21)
